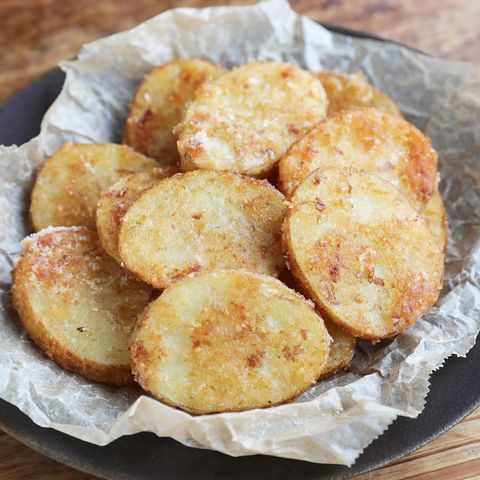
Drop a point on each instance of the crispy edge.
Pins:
(138, 378)
(107, 374)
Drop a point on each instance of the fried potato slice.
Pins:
(362, 252)
(367, 140)
(69, 183)
(348, 92)
(203, 221)
(245, 120)
(115, 201)
(342, 347)
(159, 104)
(77, 304)
(342, 350)
(436, 217)
(228, 341)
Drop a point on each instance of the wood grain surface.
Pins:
(36, 34)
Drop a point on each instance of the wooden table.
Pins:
(36, 34)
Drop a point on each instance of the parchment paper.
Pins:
(334, 421)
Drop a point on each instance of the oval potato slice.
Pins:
(115, 200)
(77, 304)
(348, 92)
(367, 140)
(203, 221)
(362, 252)
(245, 120)
(228, 341)
(342, 347)
(436, 217)
(159, 104)
(69, 183)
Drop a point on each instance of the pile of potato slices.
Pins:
(253, 225)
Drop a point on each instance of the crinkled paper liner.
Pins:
(335, 420)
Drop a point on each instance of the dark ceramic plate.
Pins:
(454, 392)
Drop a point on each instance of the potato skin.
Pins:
(76, 304)
(368, 140)
(362, 252)
(348, 92)
(159, 105)
(202, 221)
(69, 183)
(228, 341)
(115, 201)
(245, 120)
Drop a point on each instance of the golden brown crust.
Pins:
(115, 201)
(76, 303)
(202, 221)
(245, 120)
(228, 341)
(159, 105)
(362, 252)
(436, 217)
(348, 92)
(69, 183)
(367, 140)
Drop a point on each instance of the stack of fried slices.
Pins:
(254, 223)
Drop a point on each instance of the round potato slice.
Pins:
(77, 304)
(203, 221)
(436, 217)
(159, 104)
(362, 252)
(245, 120)
(367, 140)
(342, 347)
(348, 92)
(69, 183)
(228, 341)
(115, 200)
